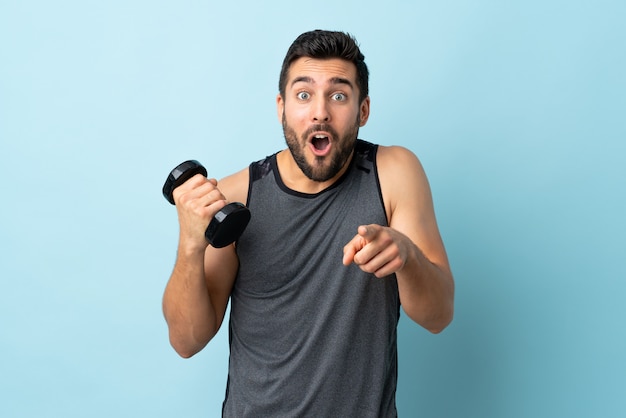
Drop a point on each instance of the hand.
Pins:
(197, 201)
(377, 249)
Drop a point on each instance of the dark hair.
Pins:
(323, 44)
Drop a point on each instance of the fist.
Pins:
(197, 201)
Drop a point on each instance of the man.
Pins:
(342, 234)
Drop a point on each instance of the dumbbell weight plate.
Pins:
(227, 224)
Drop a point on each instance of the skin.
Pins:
(321, 97)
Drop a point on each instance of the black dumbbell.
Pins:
(227, 224)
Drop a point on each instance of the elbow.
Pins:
(184, 350)
(187, 340)
(437, 326)
(185, 354)
(434, 323)
(441, 318)
(187, 346)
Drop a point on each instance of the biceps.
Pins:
(220, 270)
(407, 193)
(419, 224)
(414, 216)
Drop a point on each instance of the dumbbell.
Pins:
(227, 224)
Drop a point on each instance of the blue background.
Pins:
(516, 109)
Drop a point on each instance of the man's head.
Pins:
(323, 44)
(323, 101)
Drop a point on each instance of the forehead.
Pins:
(321, 71)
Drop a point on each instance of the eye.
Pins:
(303, 95)
(339, 97)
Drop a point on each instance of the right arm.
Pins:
(196, 296)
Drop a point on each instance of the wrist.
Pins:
(191, 247)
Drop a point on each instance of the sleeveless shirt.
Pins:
(310, 337)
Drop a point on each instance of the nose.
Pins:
(319, 111)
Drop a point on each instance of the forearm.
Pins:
(187, 306)
(426, 291)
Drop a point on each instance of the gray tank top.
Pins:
(310, 337)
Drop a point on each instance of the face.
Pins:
(321, 115)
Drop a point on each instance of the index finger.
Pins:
(351, 248)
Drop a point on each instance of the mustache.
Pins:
(320, 127)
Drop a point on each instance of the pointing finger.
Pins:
(369, 232)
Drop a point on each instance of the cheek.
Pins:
(350, 120)
(296, 113)
(295, 118)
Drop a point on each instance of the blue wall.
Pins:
(516, 110)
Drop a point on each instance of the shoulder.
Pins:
(401, 176)
(396, 163)
(394, 154)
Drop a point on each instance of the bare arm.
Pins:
(411, 246)
(196, 296)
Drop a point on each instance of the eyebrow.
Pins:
(334, 80)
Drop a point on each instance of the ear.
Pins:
(364, 110)
(280, 107)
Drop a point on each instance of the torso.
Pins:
(308, 335)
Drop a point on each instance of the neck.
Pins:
(293, 177)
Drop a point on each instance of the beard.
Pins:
(342, 149)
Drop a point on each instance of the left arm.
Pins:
(411, 247)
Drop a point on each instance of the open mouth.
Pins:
(320, 139)
(320, 142)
